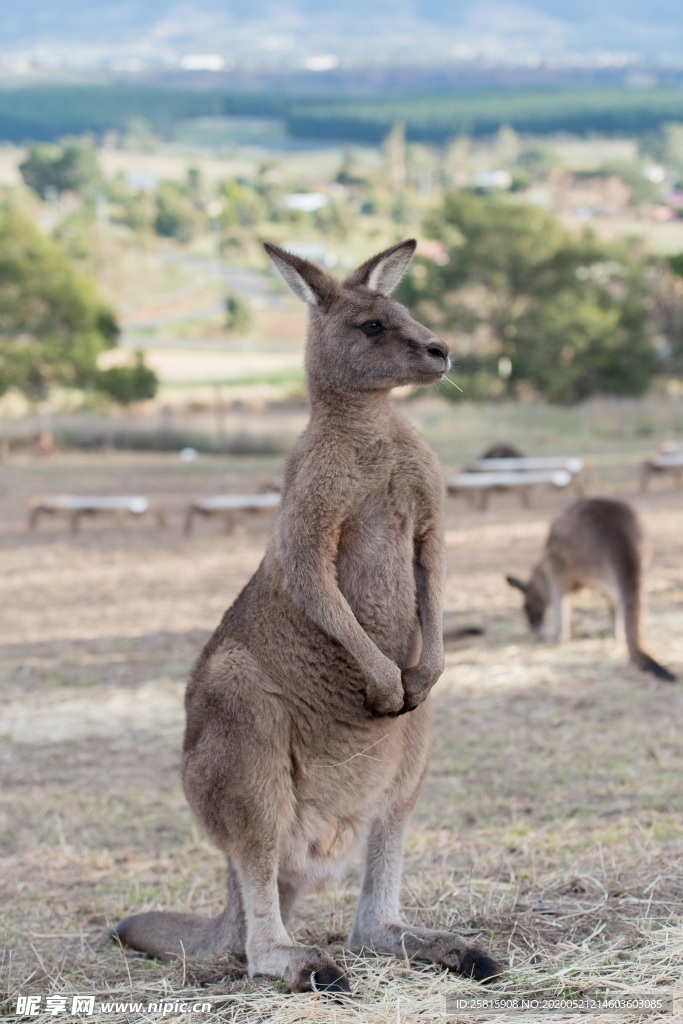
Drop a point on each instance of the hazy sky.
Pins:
(350, 26)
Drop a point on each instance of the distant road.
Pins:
(240, 280)
(247, 282)
(132, 324)
(131, 339)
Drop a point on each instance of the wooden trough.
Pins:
(542, 464)
(230, 507)
(479, 486)
(670, 464)
(76, 507)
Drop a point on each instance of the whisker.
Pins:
(360, 753)
(452, 382)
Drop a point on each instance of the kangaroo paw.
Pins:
(331, 979)
(437, 947)
(479, 965)
(303, 968)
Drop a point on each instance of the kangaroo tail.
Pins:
(647, 664)
(632, 600)
(165, 935)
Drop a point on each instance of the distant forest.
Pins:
(47, 113)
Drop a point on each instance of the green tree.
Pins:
(243, 206)
(536, 159)
(668, 309)
(137, 210)
(394, 152)
(349, 172)
(238, 314)
(455, 164)
(334, 219)
(126, 384)
(676, 264)
(665, 144)
(195, 185)
(506, 147)
(571, 347)
(568, 311)
(69, 168)
(38, 170)
(176, 215)
(53, 324)
(139, 137)
(632, 173)
(76, 237)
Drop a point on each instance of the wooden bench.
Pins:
(230, 507)
(480, 485)
(542, 464)
(537, 464)
(671, 463)
(77, 506)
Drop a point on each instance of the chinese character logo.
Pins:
(28, 1006)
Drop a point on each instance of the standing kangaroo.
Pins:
(297, 748)
(594, 543)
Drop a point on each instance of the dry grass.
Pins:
(550, 824)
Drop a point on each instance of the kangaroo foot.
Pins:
(437, 947)
(648, 664)
(303, 969)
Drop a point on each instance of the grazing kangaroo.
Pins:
(299, 747)
(502, 451)
(594, 543)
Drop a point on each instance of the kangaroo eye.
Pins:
(371, 328)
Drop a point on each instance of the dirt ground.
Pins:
(550, 825)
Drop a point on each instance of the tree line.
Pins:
(438, 118)
(48, 113)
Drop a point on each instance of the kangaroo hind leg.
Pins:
(379, 926)
(270, 950)
(239, 782)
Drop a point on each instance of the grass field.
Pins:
(550, 825)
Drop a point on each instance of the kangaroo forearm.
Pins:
(339, 622)
(431, 621)
(322, 601)
(429, 573)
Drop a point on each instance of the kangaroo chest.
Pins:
(374, 563)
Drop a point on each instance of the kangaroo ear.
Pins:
(517, 584)
(305, 280)
(381, 273)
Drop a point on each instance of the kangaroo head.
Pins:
(535, 597)
(359, 338)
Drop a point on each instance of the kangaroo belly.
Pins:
(340, 784)
(316, 851)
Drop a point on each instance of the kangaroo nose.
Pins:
(438, 349)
